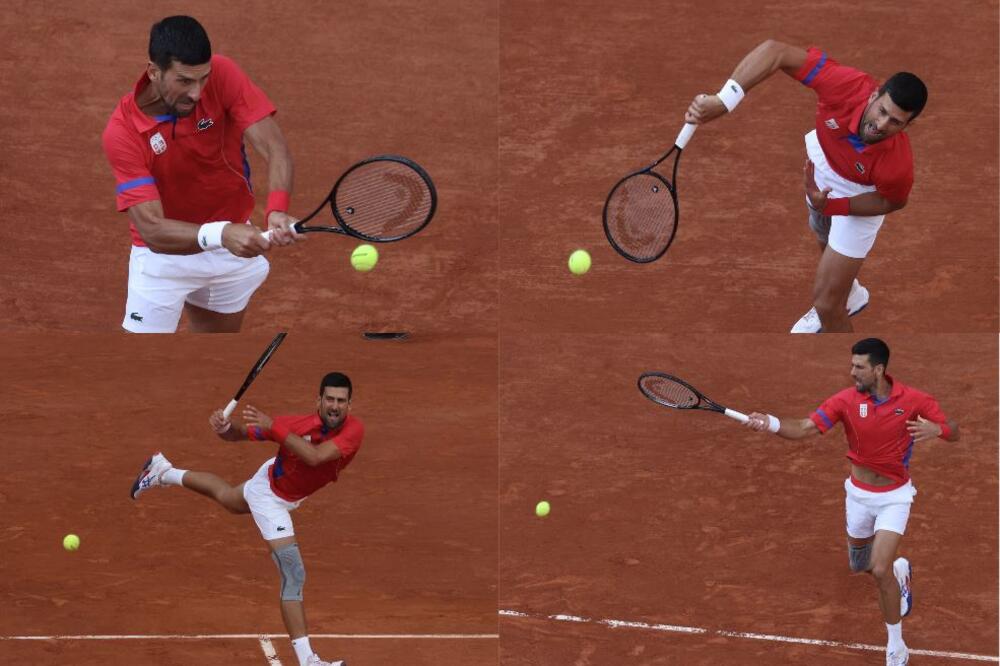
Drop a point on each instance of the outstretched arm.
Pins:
(757, 66)
(790, 428)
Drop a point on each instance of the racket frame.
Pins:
(704, 402)
(254, 371)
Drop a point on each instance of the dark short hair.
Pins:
(907, 92)
(178, 38)
(337, 380)
(877, 351)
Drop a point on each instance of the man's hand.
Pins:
(817, 198)
(757, 422)
(704, 108)
(219, 423)
(280, 225)
(244, 240)
(255, 417)
(922, 429)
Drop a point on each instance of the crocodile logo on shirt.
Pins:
(860, 168)
(899, 411)
(204, 124)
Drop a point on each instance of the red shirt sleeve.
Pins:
(832, 81)
(828, 414)
(134, 182)
(244, 102)
(349, 439)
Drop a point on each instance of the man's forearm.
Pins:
(796, 429)
(871, 204)
(237, 432)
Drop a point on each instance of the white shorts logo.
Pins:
(863, 409)
(158, 143)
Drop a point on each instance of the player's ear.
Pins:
(152, 70)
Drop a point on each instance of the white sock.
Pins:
(302, 649)
(173, 476)
(895, 636)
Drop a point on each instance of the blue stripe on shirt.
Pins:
(815, 70)
(826, 419)
(129, 184)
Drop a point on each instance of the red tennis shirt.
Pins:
(876, 431)
(197, 165)
(291, 478)
(843, 97)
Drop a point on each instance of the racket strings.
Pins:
(641, 216)
(669, 392)
(384, 199)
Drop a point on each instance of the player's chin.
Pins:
(183, 111)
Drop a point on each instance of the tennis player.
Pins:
(314, 449)
(859, 166)
(883, 419)
(175, 144)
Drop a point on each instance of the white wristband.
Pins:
(210, 235)
(731, 94)
(773, 423)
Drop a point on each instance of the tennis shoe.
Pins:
(857, 300)
(150, 475)
(900, 657)
(314, 660)
(904, 576)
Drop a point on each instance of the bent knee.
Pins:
(883, 571)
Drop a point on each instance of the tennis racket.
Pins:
(669, 391)
(381, 199)
(254, 371)
(641, 212)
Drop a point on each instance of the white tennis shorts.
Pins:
(867, 511)
(271, 513)
(160, 284)
(850, 235)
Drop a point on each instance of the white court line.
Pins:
(741, 634)
(195, 637)
(268, 648)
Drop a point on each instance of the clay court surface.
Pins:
(589, 93)
(663, 517)
(349, 81)
(405, 543)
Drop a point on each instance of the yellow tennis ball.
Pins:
(579, 262)
(71, 542)
(542, 509)
(364, 257)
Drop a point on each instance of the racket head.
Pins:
(640, 216)
(383, 199)
(670, 391)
